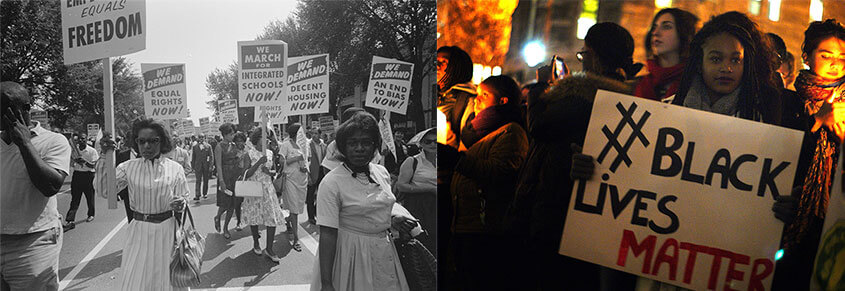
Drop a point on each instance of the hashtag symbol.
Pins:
(613, 137)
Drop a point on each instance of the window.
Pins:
(588, 17)
(754, 6)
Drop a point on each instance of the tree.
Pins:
(352, 33)
(223, 84)
(72, 95)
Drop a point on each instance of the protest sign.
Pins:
(94, 30)
(204, 121)
(93, 128)
(165, 91)
(678, 196)
(274, 114)
(40, 116)
(228, 110)
(390, 85)
(262, 68)
(326, 124)
(308, 85)
(829, 268)
(185, 128)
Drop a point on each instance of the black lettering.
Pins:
(735, 169)
(121, 27)
(134, 24)
(80, 35)
(686, 175)
(723, 170)
(618, 205)
(661, 206)
(108, 29)
(640, 205)
(579, 199)
(767, 178)
(661, 150)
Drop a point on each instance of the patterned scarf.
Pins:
(816, 189)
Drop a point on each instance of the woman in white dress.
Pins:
(296, 183)
(262, 210)
(355, 208)
(157, 188)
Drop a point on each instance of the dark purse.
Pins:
(418, 263)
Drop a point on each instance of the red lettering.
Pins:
(718, 254)
(663, 257)
(733, 273)
(693, 252)
(629, 241)
(756, 281)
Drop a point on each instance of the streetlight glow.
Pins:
(534, 53)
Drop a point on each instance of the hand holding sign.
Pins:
(582, 165)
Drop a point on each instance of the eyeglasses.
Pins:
(427, 141)
(439, 64)
(580, 55)
(152, 141)
(360, 143)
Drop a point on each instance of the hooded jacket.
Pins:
(554, 121)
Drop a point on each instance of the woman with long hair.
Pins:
(455, 89)
(667, 47)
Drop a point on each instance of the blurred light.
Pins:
(816, 9)
(663, 3)
(442, 127)
(476, 73)
(534, 53)
(754, 6)
(774, 10)
(779, 254)
(497, 71)
(486, 72)
(584, 25)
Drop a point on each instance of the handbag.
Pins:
(186, 262)
(418, 263)
(279, 182)
(245, 188)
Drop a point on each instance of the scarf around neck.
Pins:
(815, 192)
(659, 77)
(487, 121)
(697, 99)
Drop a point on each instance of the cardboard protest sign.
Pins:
(390, 85)
(228, 110)
(94, 30)
(40, 116)
(186, 128)
(204, 120)
(93, 128)
(165, 91)
(829, 268)
(308, 85)
(274, 113)
(678, 197)
(262, 68)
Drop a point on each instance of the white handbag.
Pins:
(248, 188)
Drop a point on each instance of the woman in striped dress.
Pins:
(157, 188)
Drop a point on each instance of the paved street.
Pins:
(91, 253)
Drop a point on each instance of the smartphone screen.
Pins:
(558, 67)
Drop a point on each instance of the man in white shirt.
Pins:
(33, 165)
(82, 182)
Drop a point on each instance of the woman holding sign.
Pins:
(262, 210)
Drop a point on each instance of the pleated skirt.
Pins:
(363, 262)
(147, 254)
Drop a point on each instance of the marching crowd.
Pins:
(511, 154)
(349, 186)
